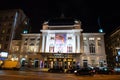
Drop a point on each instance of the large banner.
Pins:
(60, 42)
(60, 38)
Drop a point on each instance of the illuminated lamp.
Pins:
(100, 30)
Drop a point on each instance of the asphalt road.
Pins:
(29, 75)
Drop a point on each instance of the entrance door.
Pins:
(36, 63)
(85, 63)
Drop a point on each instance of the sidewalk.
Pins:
(34, 69)
(39, 69)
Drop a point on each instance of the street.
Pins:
(30, 75)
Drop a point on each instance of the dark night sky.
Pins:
(87, 11)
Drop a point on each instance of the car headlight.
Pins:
(75, 71)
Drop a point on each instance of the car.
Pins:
(105, 70)
(116, 70)
(71, 70)
(56, 70)
(85, 71)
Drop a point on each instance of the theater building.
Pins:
(62, 42)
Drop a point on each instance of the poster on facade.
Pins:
(60, 42)
(60, 38)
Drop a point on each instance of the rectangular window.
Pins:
(32, 39)
(69, 49)
(69, 38)
(98, 38)
(91, 38)
(52, 38)
(92, 48)
(0, 46)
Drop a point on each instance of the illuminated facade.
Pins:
(12, 24)
(63, 44)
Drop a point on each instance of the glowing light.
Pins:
(25, 31)
(101, 30)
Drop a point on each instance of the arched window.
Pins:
(69, 48)
(51, 48)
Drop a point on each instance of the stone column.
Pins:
(43, 42)
(78, 43)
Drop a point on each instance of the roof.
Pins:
(61, 21)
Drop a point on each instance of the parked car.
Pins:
(71, 70)
(85, 71)
(105, 70)
(56, 70)
(117, 70)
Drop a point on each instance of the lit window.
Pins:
(16, 48)
(91, 38)
(84, 38)
(98, 38)
(3, 31)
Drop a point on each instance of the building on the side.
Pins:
(112, 47)
(61, 42)
(13, 22)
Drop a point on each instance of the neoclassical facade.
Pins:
(63, 43)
